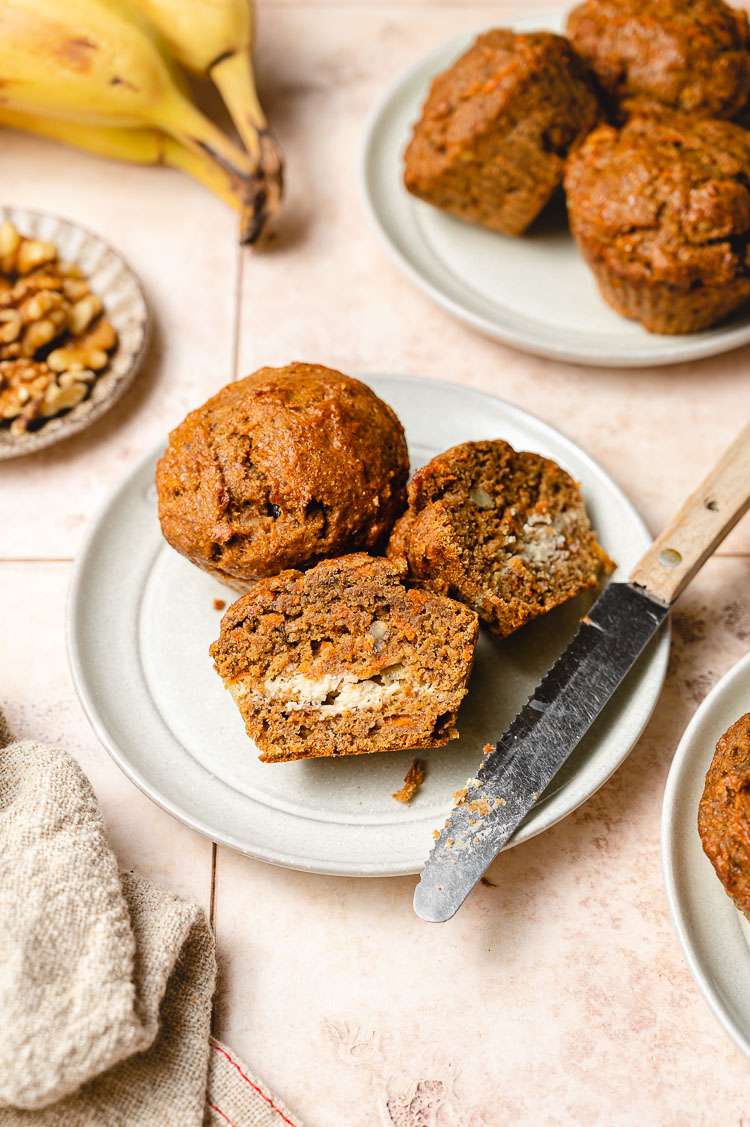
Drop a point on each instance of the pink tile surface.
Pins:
(330, 294)
(558, 995)
(180, 240)
(37, 694)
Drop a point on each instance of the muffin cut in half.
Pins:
(689, 56)
(661, 212)
(345, 659)
(282, 469)
(497, 127)
(724, 813)
(505, 532)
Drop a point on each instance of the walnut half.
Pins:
(54, 339)
(30, 390)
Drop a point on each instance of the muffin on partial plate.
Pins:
(661, 212)
(689, 56)
(282, 469)
(506, 533)
(497, 127)
(344, 659)
(724, 813)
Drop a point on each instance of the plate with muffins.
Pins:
(579, 189)
(298, 622)
(706, 850)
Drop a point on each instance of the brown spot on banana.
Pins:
(76, 53)
(118, 81)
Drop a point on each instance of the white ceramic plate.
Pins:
(534, 292)
(141, 619)
(109, 276)
(714, 936)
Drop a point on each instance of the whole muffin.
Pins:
(497, 126)
(724, 813)
(691, 56)
(282, 469)
(661, 212)
(505, 532)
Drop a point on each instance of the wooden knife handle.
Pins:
(699, 527)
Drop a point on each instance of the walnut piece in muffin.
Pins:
(345, 659)
(506, 533)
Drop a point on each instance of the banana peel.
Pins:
(214, 39)
(93, 65)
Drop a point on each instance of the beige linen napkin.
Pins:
(105, 980)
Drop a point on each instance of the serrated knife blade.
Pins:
(529, 754)
(609, 640)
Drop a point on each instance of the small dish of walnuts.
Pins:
(73, 329)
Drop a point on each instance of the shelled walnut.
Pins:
(30, 390)
(54, 339)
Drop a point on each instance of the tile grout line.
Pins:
(212, 922)
(212, 896)
(237, 329)
(238, 281)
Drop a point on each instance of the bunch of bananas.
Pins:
(104, 75)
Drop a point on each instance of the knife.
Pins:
(609, 639)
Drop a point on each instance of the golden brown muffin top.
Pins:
(487, 81)
(688, 55)
(724, 812)
(665, 201)
(281, 469)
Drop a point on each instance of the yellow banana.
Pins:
(214, 38)
(136, 145)
(101, 63)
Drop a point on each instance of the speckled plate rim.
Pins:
(474, 309)
(124, 301)
(547, 813)
(714, 938)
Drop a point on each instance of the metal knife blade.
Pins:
(529, 754)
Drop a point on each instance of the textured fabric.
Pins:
(105, 980)
(235, 1096)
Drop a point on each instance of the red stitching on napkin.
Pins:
(252, 1085)
(221, 1113)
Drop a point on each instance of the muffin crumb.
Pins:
(412, 782)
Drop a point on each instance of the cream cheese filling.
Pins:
(333, 693)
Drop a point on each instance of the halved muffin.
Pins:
(345, 659)
(506, 533)
(497, 127)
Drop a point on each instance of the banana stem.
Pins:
(185, 122)
(233, 76)
(137, 145)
